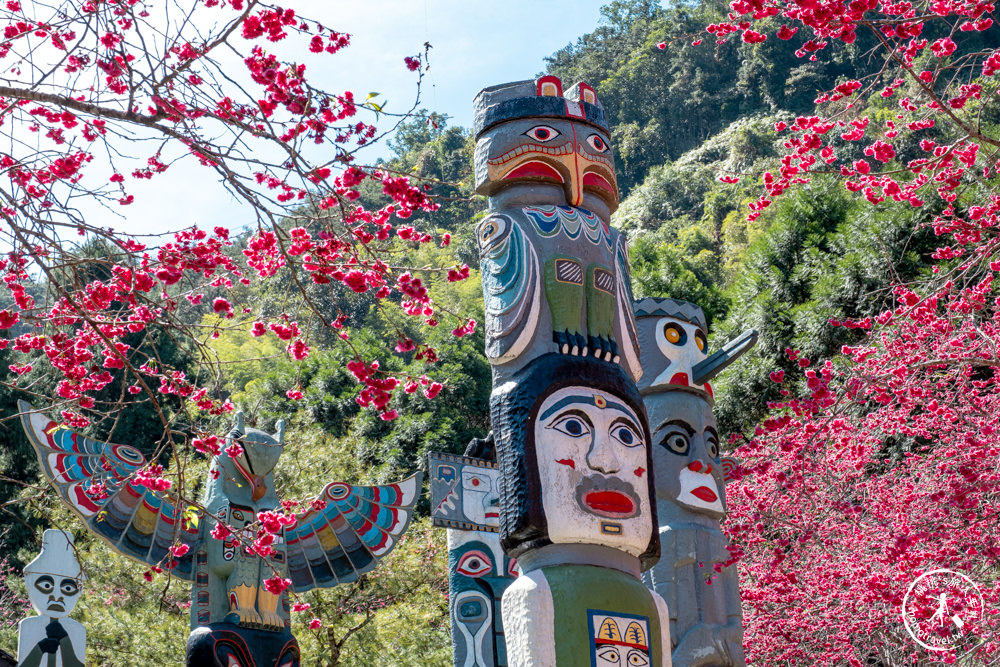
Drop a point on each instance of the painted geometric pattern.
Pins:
(347, 531)
(571, 221)
(134, 520)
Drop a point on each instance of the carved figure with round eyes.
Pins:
(555, 273)
(53, 581)
(706, 620)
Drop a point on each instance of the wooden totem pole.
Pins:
(239, 617)
(706, 622)
(465, 499)
(53, 580)
(570, 430)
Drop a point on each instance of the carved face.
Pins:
(683, 344)
(686, 461)
(53, 595)
(250, 470)
(576, 157)
(479, 573)
(532, 133)
(53, 579)
(591, 456)
(481, 495)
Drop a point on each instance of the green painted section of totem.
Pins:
(580, 589)
(600, 301)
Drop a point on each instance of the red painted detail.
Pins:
(535, 169)
(705, 493)
(611, 503)
(233, 602)
(550, 78)
(681, 379)
(584, 88)
(492, 515)
(612, 642)
(512, 568)
(708, 388)
(694, 466)
(639, 471)
(598, 181)
(567, 462)
(475, 482)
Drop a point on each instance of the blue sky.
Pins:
(475, 44)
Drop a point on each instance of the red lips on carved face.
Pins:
(705, 493)
(609, 503)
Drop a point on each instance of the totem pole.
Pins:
(53, 579)
(571, 435)
(239, 616)
(465, 499)
(706, 623)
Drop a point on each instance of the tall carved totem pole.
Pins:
(571, 435)
(706, 623)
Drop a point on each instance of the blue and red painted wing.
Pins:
(348, 533)
(94, 478)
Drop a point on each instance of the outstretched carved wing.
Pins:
(348, 532)
(94, 479)
(511, 286)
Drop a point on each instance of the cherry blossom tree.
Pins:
(881, 465)
(101, 95)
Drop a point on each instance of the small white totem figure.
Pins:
(52, 639)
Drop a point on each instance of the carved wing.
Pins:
(511, 285)
(348, 532)
(93, 479)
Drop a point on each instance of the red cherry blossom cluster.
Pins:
(883, 469)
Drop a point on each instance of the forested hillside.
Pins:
(686, 118)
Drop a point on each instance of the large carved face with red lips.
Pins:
(592, 462)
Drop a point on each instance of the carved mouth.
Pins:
(607, 497)
(55, 606)
(705, 493)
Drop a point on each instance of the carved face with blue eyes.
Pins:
(591, 456)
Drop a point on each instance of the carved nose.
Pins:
(696, 466)
(601, 457)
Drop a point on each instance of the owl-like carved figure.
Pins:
(705, 619)
(236, 621)
(555, 274)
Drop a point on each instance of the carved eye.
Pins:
(542, 133)
(597, 143)
(699, 340)
(474, 564)
(608, 653)
(674, 333)
(712, 445)
(637, 658)
(491, 228)
(677, 442)
(45, 584)
(68, 587)
(572, 426)
(626, 435)
(477, 483)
